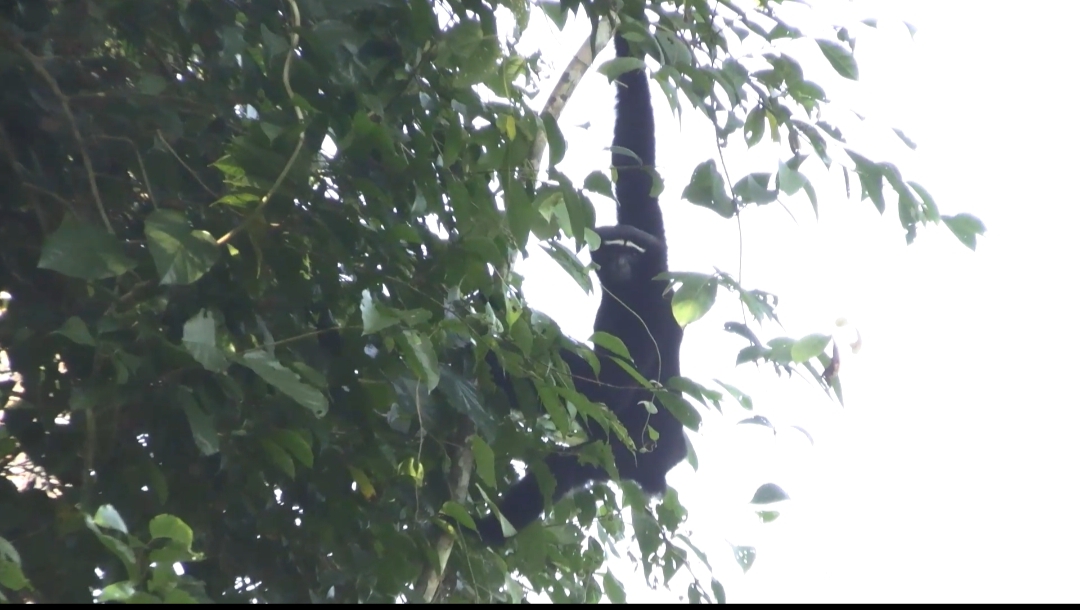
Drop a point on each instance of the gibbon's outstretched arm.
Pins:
(635, 131)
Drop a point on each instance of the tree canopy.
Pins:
(253, 255)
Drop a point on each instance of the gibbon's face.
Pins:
(627, 255)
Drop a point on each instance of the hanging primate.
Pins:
(636, 309)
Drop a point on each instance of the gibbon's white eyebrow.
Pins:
(625, 243)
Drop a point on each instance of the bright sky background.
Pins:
(950, 475)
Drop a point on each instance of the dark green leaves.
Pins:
(285, 380)
(485, 460)
(180, 254)
(84, 251)
(76, 330)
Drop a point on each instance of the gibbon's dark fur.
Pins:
(633, 308)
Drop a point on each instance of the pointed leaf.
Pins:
(840, 57)
(285, 380)
(484, 458)
(75, 329)
(965, 227)
(200, 340)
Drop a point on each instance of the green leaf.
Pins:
(789, 179)
(363, 482)
(754, 188)
(840, 57)
(598, 182)
(719, 597)
(759, 420)
(906, 140)
(769, 493)
(117, 592)
(611, 343)
(12, 577)
(202, 424)
(11, 574)
(8, 552)
(296, 445)
(279, 457)
(694, 298)
(75, 329)
(614, 67)
(152, 84)
(755, 126)
(965, 227)
(520, 214)
(200, 340)
(372, 316)
(556, 141)
(809, 347)
(285, 380)
(180, 254)
(744, 399)
(745, 556)
(675, 51)
(84, 251)
(485, 460)
(870, 178)
(706, 189)
(462, 396)
(107, 516)
(570, 264)
(172, 528)
(554, 407)
(458, 513)
(767, 516)
(613, 589)
(421, 358)
(680, 408)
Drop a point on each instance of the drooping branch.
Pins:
(39, 67)
(460, 474)
(568, 82)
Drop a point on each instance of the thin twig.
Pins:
(460, 473)
(294, 42)
(39, 67)
(161, 136)
(142, 166)
(568, 82)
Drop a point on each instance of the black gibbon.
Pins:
(634, 307)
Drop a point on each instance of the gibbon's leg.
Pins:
(523, 503)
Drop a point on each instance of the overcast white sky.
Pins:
(950, 475)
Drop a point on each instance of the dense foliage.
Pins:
(253, 254)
